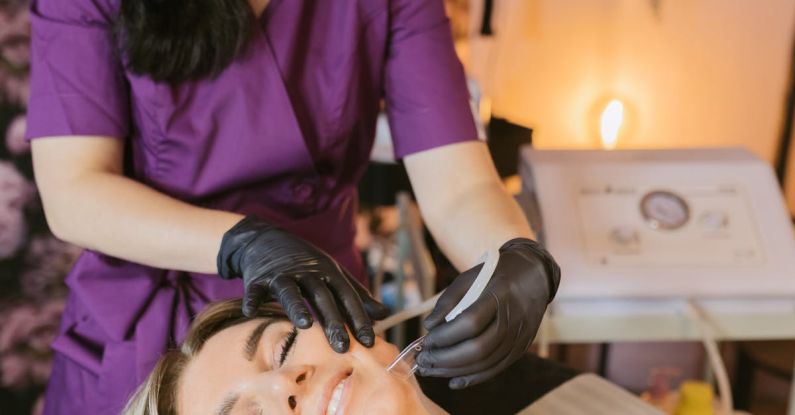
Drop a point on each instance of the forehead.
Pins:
(217, 369)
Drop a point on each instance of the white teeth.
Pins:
(336, 395)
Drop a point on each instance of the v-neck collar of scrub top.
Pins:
(263, 39)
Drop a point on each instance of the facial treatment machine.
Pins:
(661, 223)
(699, 233)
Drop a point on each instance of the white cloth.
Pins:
(589, 395)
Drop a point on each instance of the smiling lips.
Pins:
(336, 396)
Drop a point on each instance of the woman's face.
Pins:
(265, 367)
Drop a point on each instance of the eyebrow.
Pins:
(249, 351)
(252, 343)
(228, 404)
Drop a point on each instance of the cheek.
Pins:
(311, 348)
(383, 393)
(388, 395)
(384, 353)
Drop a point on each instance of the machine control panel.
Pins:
(679, 224)
(704, 223)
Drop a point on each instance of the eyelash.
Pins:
(289, 341)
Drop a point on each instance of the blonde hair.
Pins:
(158, 394)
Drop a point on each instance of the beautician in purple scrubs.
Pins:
(207, 149)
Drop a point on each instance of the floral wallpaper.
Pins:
(33, 263)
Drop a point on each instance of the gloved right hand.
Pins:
(275, 264)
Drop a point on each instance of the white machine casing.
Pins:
(660, 223)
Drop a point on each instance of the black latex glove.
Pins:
(498, 328)
(275, 264)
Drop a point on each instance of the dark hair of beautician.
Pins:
(177, 41)
(181, 140)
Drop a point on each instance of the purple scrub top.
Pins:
(283, 133)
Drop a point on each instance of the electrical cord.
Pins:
(699, 317)
(542, 338)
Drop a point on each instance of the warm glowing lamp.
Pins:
(610, 123)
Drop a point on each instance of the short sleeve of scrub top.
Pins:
(427, 101)
(80, 88)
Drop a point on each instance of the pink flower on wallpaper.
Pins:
(15, 33)
(18, 322)
(13, 232)
(11, 7)
(25, 355)
(14, 89)
(15, 41)
(15, 136)
(15, 193)
(38, 407)
(13, 371)
(14, 51)
(31, 325)
(46, 262)
(15, 190)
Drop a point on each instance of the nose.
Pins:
(285, 388)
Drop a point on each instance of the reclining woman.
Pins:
(230, 364)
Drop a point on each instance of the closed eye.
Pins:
(288, 344)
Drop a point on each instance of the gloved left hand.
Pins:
(277, 265)
(498, 328)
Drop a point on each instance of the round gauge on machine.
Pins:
(664, 210)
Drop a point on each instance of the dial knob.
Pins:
(714, 220)
(624, 236)
(664, 210)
